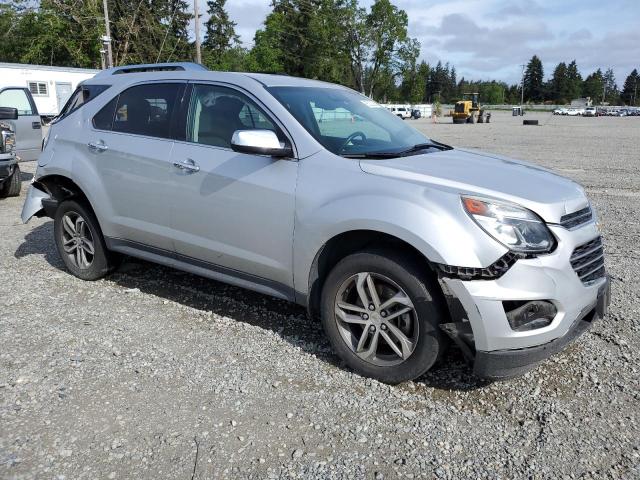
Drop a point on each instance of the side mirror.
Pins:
(259, 142)
(8, 113)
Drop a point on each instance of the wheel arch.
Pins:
(346, 243)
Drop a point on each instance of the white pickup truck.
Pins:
(28, 126)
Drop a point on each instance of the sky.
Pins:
(491, 39)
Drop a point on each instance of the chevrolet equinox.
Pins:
(311, 192)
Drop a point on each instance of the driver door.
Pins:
(233, 212)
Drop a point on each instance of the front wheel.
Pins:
(382, 313)
(12, 185)
(80, 242)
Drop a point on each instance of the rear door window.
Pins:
(147, 109)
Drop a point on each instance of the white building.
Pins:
(51, 87)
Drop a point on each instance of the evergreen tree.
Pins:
(559, 85)
(630, 89)
(574, 81)
(221, 48)
(593, 86)
(534, 81)
(611, 94)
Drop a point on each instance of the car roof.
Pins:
(117, 75)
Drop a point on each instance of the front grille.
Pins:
(575, 219)
(588, 260)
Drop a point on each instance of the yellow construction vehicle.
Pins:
(466, 109)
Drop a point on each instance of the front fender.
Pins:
(430, 220)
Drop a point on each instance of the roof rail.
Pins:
(153, 67)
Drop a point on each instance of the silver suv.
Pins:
(313, 193)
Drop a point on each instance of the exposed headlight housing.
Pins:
(517, 228)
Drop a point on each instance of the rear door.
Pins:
(130, 147)
(27, 127)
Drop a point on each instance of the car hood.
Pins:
(470, 172)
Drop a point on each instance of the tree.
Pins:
(533, 80)
(559, 87)
(593, 86)
(221, 48)
(610, 91)
(630, 89)
(574, 81)
(387, 27)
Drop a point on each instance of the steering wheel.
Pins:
(351, 137)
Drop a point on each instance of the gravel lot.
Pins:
(153, 373)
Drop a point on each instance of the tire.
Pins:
(12, 185)
(94, 266)
(530, 122)
(420, 325)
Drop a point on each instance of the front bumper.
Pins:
(34, 203)
(501, 364)
(497, 349)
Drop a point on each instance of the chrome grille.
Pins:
(588, 260)
(575, 219)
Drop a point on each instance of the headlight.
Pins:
(517, 228)
(7, 141)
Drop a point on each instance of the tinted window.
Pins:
(83, 94)
(104, 118)
(16, 98)
(215, 113)
(147, 109)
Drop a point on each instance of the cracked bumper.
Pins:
(501, 364)
(33, 203)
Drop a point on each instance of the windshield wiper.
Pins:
(402, 153)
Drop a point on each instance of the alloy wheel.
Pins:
(376, 319)
(77, 240)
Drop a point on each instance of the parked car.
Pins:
(560, 111)
(573, 112)
(28, 126)
(10, 182)
(371, 225)
(590, 112)
(401, 112)
(416, 113)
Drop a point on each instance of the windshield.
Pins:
(346, 122)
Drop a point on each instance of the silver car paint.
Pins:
(28, 129)
(278, 214)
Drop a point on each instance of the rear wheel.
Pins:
(382, 315)
(12, 185)
(80, 242)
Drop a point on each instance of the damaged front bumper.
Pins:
(38, 203)
(490, 340)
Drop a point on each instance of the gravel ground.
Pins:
(153, 373)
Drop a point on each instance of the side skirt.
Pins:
(201, 268)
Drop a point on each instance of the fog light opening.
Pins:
(529, 315)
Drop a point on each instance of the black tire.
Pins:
(101, 263)
(407, 272)
(11, 186)
(530, 122)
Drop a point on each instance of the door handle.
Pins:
(187, 165)
(97, 146)
(36, 125)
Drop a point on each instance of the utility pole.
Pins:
(522, 87)
(197, 29)
(107, 38)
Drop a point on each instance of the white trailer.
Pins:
(50, 87)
